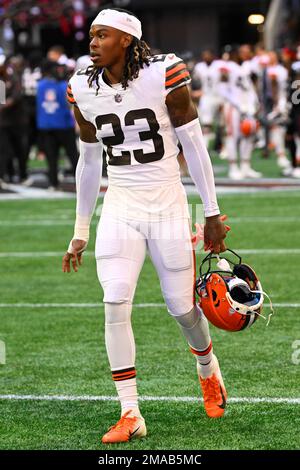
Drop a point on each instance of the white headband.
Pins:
(119, 20)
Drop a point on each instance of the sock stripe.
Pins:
(202, 353)
(124, 378)
(124, 374)
(121, 371)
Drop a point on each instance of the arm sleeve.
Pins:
(88, 178)
(199, 164)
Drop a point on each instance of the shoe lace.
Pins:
(124, 422)
(211, 388)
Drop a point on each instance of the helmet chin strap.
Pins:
(271, 305)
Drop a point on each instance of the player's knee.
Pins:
(178, 306)
(188, 320)
(178, 292)
(117, 313)
(117, 291)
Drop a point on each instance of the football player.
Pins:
(136, 106)
(241, 106)
(207, 73)
(278, 116)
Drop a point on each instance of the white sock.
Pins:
(128, 396)
(207, 370)
(120, 346)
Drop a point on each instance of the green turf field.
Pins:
(60, 350)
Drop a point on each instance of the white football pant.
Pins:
(120, 252)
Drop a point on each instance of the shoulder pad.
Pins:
(176, 72)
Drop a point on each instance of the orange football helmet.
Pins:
(248, 126)
(230, 296)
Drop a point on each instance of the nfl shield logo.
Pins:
(118, 98)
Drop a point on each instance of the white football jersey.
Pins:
(209, 75)
(254, 65)
(280, 74)
(239, 90)
(134, 124)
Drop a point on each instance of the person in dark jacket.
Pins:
(12, 124)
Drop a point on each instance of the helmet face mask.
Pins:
(242, 299)
(232, 299)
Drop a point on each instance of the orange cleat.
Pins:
(214, 394)
(127, 428)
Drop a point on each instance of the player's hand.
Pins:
(77, 247)
(214, 234)
(199, 235)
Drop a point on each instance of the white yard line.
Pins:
(37, 254)
(34, 223)
(263, 219)
(269, 251)
(42, 254)
(41, 222)
(97, 305)
(251, 400)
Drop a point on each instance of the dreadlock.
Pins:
(137, 55)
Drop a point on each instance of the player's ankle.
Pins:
(207, 370)
(134, 411)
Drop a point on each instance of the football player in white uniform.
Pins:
(278, 117)
(241, 106)
(136, 106)
(208, 73)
